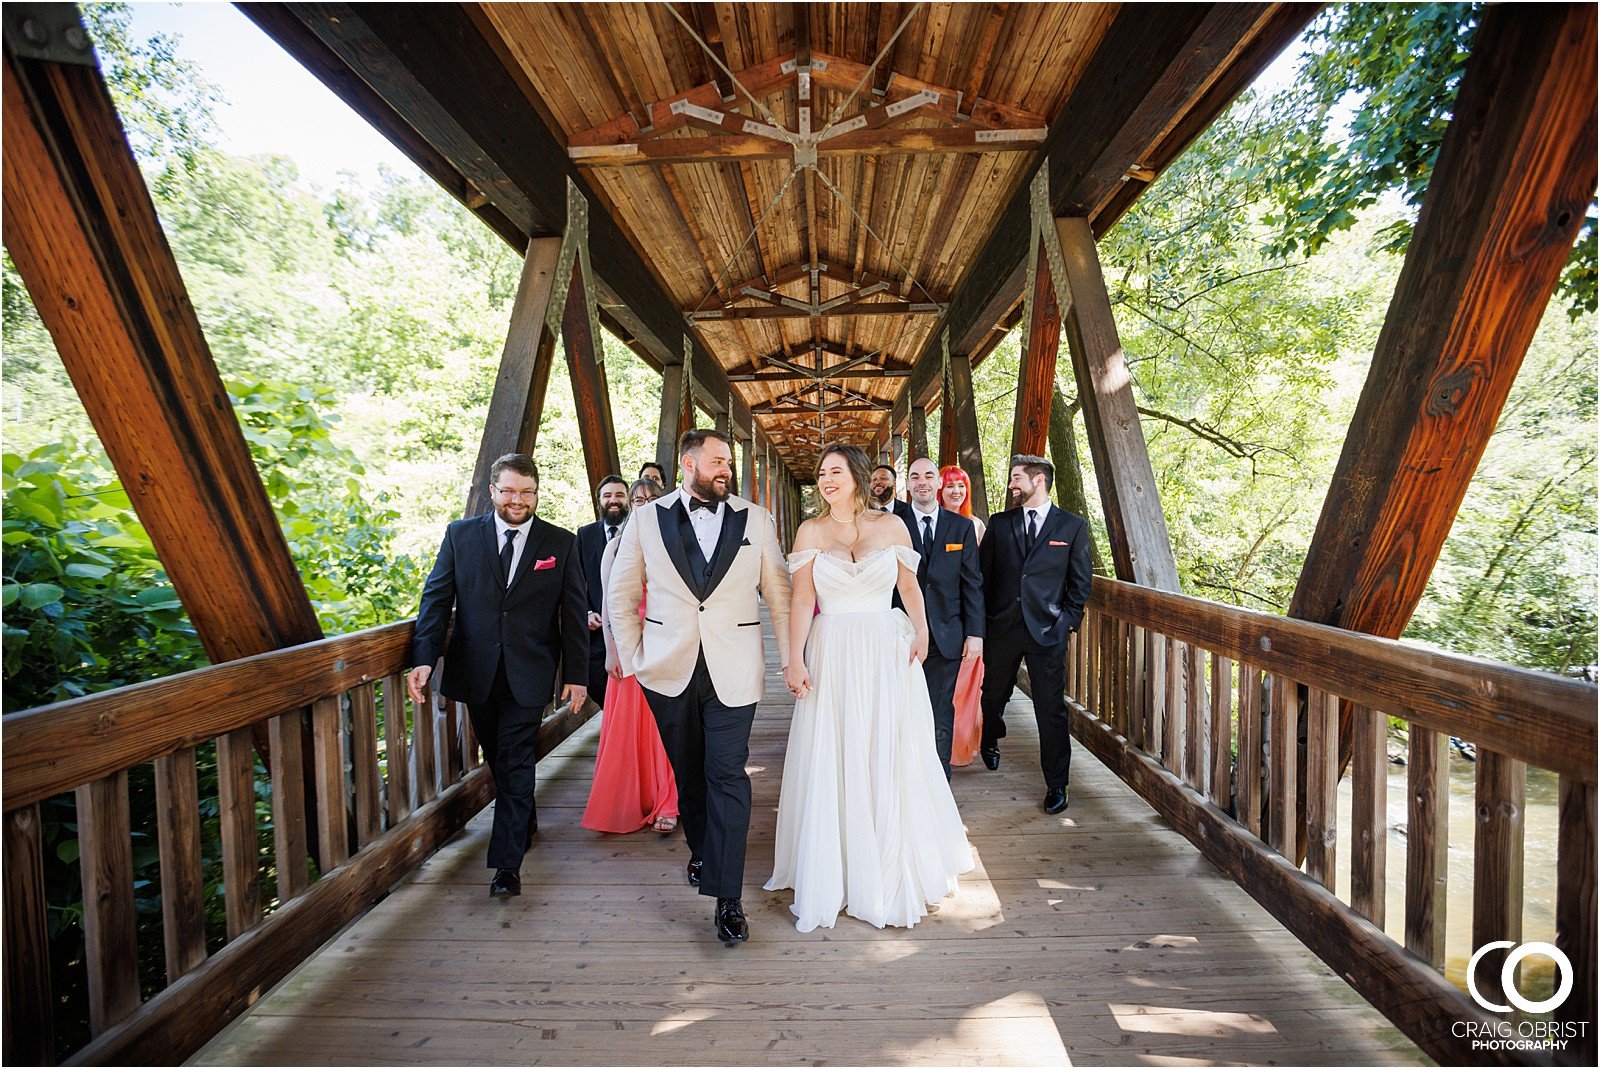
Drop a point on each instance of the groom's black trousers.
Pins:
(509, 735)
(708, 744)
(1004, 650)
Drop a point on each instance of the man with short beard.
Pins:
(883, 485)
(703, 555)
(515, 586)
(592, 540)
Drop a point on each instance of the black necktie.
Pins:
(927, 535)
(611, 532)
(1032, 531)
(508, 551)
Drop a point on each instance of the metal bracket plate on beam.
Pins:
(51, 32)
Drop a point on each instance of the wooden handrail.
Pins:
(56, 748)
(1536, 717)
(1143, 702)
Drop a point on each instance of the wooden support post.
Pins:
(962, 417)
(1141, 549)
(29, 1009)
(1575, 908)
(667, 428)
(517, 403)
(1427, 843)
(1501, 807)
(1507, 196)
(1514, 177)
(105, 862)
(1036, 377)
(917, 441)
(83, 232)
(590, 396)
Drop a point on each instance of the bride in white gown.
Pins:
(866, 821)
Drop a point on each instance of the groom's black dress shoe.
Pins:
(731, 925)
(507, 883)
(1055, 799)
(693, 871)
(991, 756)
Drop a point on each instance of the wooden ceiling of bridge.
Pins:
(909, 207)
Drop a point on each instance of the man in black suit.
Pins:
(592, 538)
(1036, 576)
(516, 585)
(952, 593)
(883, 484)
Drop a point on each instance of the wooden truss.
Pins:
(859, 299)
(973, 124)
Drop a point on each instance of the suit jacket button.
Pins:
(702, 608)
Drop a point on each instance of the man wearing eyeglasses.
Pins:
(517, 588)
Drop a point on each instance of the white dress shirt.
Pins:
(707, 524)
(518, 544)
(932, 512)
(1039, 514)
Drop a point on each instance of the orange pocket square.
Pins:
(1053, 542)
(541, 565)
(951, 547)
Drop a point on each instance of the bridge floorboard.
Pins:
(1096, 937)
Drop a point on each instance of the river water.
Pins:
(1539, 868)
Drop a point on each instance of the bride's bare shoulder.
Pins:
(886, 529)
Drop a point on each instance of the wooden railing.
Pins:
(383, 800)
(1199, 707)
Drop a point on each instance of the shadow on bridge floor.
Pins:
(1096, 937)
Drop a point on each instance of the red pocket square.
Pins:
(541, 565)
(1053, 542)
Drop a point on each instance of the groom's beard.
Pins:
(714, 490)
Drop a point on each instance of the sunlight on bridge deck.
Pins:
(1095, 937)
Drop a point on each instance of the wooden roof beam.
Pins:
(826, 310)
(1154, 68)
(730, 148)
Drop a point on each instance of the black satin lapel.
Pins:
(727, 546)
(1019, 531)
(678, 520)
(538, 534)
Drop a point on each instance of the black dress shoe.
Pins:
(731, 925)
(1055, 799)
(507, 883)
(991, 756)
(693, 871)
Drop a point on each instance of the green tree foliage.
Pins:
(1377, 91)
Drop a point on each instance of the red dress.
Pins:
(633, 785)
(969, 713)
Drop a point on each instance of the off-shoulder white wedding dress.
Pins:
(866, 821)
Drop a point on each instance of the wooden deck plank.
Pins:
(1097, 936)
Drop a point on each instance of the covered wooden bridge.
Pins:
(814, 219)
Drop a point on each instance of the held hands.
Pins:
(416, 679)
(972, 648)
(797, 679)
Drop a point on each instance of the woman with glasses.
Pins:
(633, 785)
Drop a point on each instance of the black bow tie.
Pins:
(696, 503)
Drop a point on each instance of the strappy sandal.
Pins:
(666, 825)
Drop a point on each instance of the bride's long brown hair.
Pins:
(860, 468)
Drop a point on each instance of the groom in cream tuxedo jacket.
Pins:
(699, 557)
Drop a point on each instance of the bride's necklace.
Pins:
(834, 517)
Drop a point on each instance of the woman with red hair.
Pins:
(955, 494)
